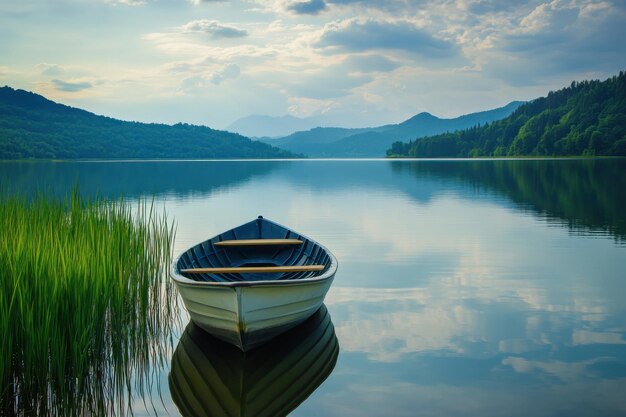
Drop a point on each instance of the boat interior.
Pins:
(255, 251)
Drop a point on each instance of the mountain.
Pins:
(267, 127)
(587, 118)
(373, 142)
(317, 142)
(32, 126)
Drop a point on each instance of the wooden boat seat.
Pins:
(253, 269)
(258, 242)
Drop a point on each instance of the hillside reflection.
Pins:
(557, 190)
(130, 179)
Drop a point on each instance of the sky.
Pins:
(353, 63)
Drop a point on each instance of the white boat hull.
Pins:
(247, 316)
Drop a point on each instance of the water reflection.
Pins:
(211, 378)
(465, 287)
(584, 195)
(130, 178)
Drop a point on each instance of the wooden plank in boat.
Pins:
(253, 269)
(258, 242)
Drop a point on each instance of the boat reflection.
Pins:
(209, 377)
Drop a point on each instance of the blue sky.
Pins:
(355, 62)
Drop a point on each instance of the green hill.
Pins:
(32, 126)
(587, 118)
(373, 142)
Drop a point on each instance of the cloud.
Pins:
(565, 371)
(193, 83)
(327, 84)
(309, 107)
(307, 7)
(312, 7)
(587, 337)
(127, 2)
(198, 82)
(357, 36)
(482, 7)
(199, 2)
(70, 86)
(559, 38)
(370, 63)
(336, 80)
(381, 4)
(229, 71)
(53, 70)
(214, 28)
(549, 17)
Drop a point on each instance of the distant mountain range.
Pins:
(333, 142)
(32, 126)
(587, 118)
(257, 126)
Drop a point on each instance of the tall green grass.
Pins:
(84, 306)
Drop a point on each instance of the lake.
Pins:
(465, 287)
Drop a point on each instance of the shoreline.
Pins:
(388, 158)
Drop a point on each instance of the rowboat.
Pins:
(209, 377)
(251, 283)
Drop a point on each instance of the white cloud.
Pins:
(565, 371)
(407, 320)
(214, 28)
(307, 107)
(325, 84)
(587, 337)
(199, 2)
(546, 15)
(370, 63)
(50, 69)
(127, 2)
(193, 83)
(198, 82)
(227, 72)
(559, 38)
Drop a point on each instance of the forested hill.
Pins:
(33, 127)
(586, 118)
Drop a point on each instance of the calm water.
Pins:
(470, 288)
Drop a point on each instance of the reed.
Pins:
(84, 306)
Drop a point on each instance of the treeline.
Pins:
(34, 127)
(585, 119)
